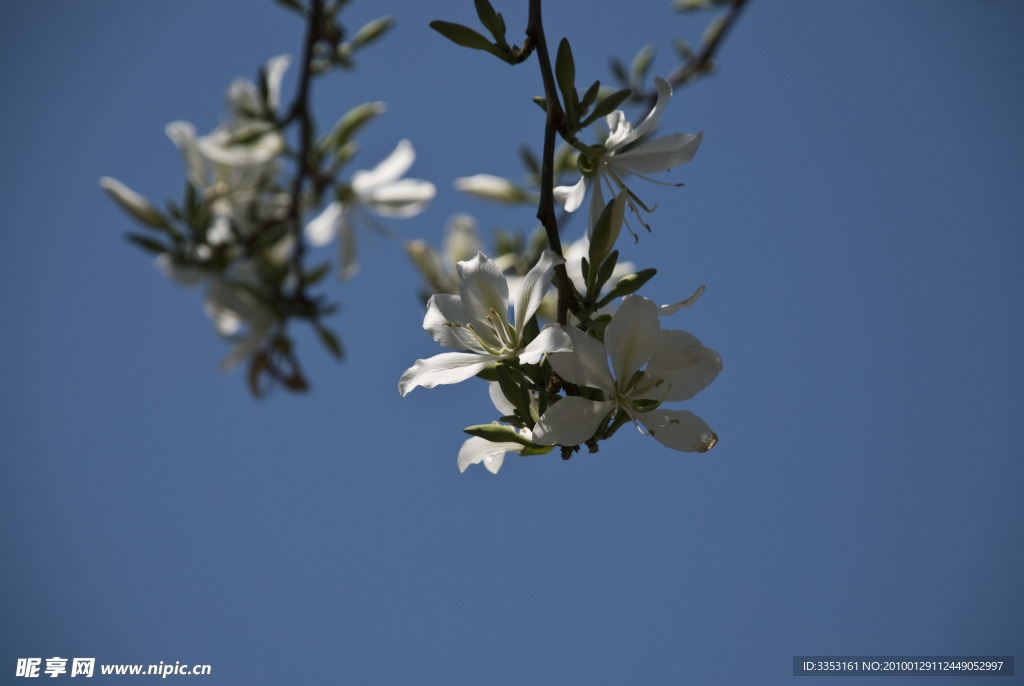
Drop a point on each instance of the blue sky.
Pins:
(854, 211)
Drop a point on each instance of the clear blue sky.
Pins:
(855, 212)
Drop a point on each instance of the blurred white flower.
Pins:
(496, 188)
(461, 241)
(380, 190)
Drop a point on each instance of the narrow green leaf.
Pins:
(619, 71)
(514, 392)
(589, 97)
(467, 38)
(627, 285)
(498, 433)
(350, 122)
(607, 228)
(607, 106)
(491, 20)
(565, 74)
(605, 271)
(372, 31)
(330, 340)
(536, 450)
(641, 65)
(314, 275)
(147, 243)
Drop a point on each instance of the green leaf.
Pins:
(607, 228)
(313, 275)
(565, 74)
(627, 285)
(619, 71)
(498, 433)
(491, 20)
(350, 122)
(147, 243)
(329, 339)
(372, 31)
(529, 160)
(687, 5)
(640, 66)
(467, 38)
(536, 450)
(514, 392)
(605, 271)
(607, 106)
(589, 96)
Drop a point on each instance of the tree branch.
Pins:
(300, 110)
(554, 122)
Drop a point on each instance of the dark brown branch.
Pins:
(554, 122)
(300, 110)
(700, 61)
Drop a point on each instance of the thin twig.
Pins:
(699, 62)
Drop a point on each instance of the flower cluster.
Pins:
(239, 230)
(553, 385)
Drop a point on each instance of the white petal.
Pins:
(571, 197)
(619, 130)
(446, 368)
(664, 95)
(586, 365)
(490, 187)
(679, 430)
(551, 340)
(444, 322)
(403, 198)
(183, 135)
(684, 366)
(675, 307)
(658, 155)
(483, 288)
(275, 69)
(571, 421)
(388, 170)
(501, 403)
(632, 336)
(322, 229)
(533, 287)
(476, 450)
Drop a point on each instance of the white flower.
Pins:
(236, 163)
(380, 190)
(677, 368)
(618, 159)
(476, 321)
